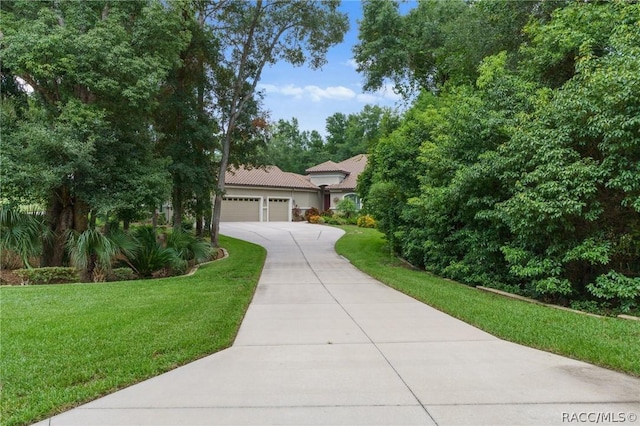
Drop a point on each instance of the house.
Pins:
(270, 194)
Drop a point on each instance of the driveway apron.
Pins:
(325, 344)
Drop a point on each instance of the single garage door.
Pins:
(278, 209)
(240, 209)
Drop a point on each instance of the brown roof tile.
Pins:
(270, 176)
(353, 166)
(327, 166)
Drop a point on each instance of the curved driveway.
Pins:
(324, 344)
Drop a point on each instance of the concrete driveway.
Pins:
(324, 344)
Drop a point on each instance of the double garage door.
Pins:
(255, 209)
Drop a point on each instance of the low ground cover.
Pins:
(70, 343)
(609, 342)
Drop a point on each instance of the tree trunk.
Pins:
(176, 200)
(220, 188)
(199, 230)
(65, 213)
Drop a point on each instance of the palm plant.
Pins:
(189, 247)
(93, 253)
(21, 233)
(150, 256)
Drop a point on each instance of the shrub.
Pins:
(311, 212)
(150, 256)
(188, 246)
(334, 220)
(624, 291)
(297, 214)
(316, 219)
(366, 221)
(21, 233)
(347, 208)
(122, 274)
(327, 213)
(50, 275)
(188, 225)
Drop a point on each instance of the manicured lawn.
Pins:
(609, 342)
(62, 345)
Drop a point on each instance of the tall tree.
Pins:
(255, 34)
(184, 125)
(440, 40)
(95, 68)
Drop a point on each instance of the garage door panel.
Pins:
(278, 210)
(240, 209)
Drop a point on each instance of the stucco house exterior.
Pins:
(270, 194)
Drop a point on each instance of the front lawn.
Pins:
(62, 345)
(609, 342)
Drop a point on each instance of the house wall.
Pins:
(302, 199)
(320, 179)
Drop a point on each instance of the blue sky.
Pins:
(312, 96)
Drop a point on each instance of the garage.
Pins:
(278, 210)
(241, 209)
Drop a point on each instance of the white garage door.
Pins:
(240, 209)
(278, 209)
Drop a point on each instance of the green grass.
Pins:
(62, 345)
(609, 342)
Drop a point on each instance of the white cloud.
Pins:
(315, 93)
(367, 98)
(352, 63)
(388, 92)
(268, 88)
(292, 90)
(318, 94)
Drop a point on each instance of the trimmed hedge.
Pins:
(122, 274)
(50, 275)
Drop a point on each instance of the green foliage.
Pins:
(188, 247)
(49, 275)
(614, 286)
(530, 178)
(92, 253)
(150, 256)
(121, 274)
(295, 151)
(347, 208)
(86, 141)
(21, 233)
(439, 42)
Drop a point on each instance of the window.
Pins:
(354, 197)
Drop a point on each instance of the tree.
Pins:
(529, 178)
(255, 34)
(403, 48)
(185, 128)
(440, 41)
(95, 68)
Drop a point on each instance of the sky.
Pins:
(313, 95)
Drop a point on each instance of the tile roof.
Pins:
(270, 176)
(327, 166)
(353, 166)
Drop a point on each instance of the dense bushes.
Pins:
(99, 256)
(50, 275)
(523, 181)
